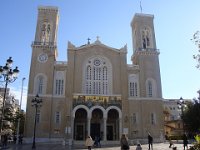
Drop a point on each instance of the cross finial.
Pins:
(88, 40)
(97, 38)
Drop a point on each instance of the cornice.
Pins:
(96, 43)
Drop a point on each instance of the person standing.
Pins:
(89, 142)
(14, 139)
(185, 141)
(139, 147)
(124, 142)
(5, 140)
(150, 141)
(20, 139)
(99, 141)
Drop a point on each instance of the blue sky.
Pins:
(175, 22)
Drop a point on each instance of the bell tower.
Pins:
(145, 54)
(146, 57)
(143, 32)
(47, 26)
(44, 50)
(44, 53)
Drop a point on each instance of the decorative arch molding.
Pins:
(89, 111)
(78, 107)
(36, 83)
(116, 108)
(97, 107)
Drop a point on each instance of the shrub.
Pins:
(176, 137)
(195, 147)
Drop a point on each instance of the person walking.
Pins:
(185, 141)
(89, 142)
(150, 141)
(124, 142)
(170, 142)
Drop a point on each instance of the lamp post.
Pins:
(181, 103)
(67, 130)
(199, 96)
(36, 102)
(20, 104)
(8, 76)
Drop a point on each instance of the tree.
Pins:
(191, 117)
(19, 115)
(196, 40)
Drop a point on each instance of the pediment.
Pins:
(96, 44)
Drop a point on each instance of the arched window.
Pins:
(57, 117)
(133, 85)
(59, 81)
(146, 36)
(45, 34)
(97, 78)
(89, 73)
(40, 84)
(135, 118)
(151, 88)
(59, 86)
(153, 118)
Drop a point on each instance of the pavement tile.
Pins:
(39, 146)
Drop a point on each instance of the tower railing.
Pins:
(148, 49)
(39, 43)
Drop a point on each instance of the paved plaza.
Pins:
(157, 146)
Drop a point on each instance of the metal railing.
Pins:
(148, 49)
(38, 43)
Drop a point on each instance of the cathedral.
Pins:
(94, 92)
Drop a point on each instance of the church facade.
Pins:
(95, 92)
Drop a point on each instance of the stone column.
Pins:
(72, 128)
(105, 129)
(120, 127)
(88, 125)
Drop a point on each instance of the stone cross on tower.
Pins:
(88, 40)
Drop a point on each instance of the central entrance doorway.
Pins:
(97, 122)
(96, 128)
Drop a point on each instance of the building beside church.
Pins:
(95, 92)
(173, 124)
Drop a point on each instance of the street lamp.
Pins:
(36, 102)
(20, 104)
(181, 104)
(8, 76)
(199, 96)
